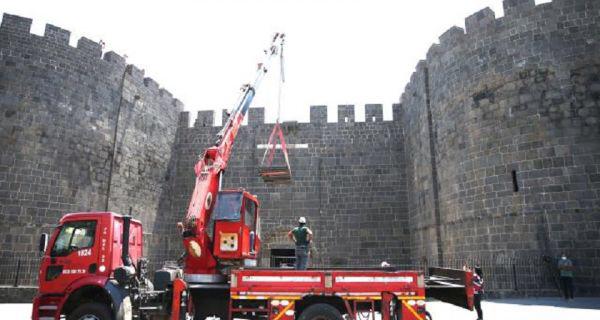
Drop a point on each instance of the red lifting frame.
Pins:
(271, 173)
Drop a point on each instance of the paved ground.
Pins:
(521, 309)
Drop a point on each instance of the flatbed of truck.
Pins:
(346, 283)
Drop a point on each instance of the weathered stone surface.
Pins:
(349, 183)
(10, 294)
(493, 156)
(60, 107)
(516, 94)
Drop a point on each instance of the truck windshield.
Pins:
(74, 236)
(228, 206)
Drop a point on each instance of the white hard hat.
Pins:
(302, 220)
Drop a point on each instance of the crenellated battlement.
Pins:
(115, 58)
(16, 26)
(480, 20)
(345, 113)
(485, 21)
(452, 37)
(89, 47)
(205, 118)
(152, 85)
(256, 116)
(373, 113)
(517, 7)
(59, 35)
(318, 115)
(136, 73)
(491, 44)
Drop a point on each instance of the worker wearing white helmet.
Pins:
(302, 237)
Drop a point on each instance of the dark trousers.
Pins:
(477, 304)
(567, 286)
(301, 258)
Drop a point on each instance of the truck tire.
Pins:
(428, 315)
(320, 311)
(90, 311)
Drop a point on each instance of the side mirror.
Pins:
(252, 241)
(43, 242)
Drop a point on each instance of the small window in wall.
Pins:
(282, 258)
(514, 181)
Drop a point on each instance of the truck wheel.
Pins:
(320, 311)
(428, 315)
(90, 311)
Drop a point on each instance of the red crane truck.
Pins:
(93, 267)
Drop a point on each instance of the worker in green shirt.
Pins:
(302, 237)
(565, 266)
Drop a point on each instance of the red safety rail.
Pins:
(278, 292)
(348, 283)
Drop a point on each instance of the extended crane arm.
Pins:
(208, 170)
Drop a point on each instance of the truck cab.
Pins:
(236, 227)
(80, 259)
(86, 244)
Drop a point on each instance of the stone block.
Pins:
(318, 114)
(56, 34)
(452, 37)
(345, 113)
(480, 20)
(115, 58)
(15, 24)
(89, 47)
(256, 116)
(152, 85)
(205, 119)
(515, 7)
(373, 113)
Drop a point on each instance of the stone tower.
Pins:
(503, 139)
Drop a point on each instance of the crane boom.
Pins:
(200, 262)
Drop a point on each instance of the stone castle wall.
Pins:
(492, 157)
(349, 183)
(60, 107)
(518, 95)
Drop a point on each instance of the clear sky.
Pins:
(337, 52)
